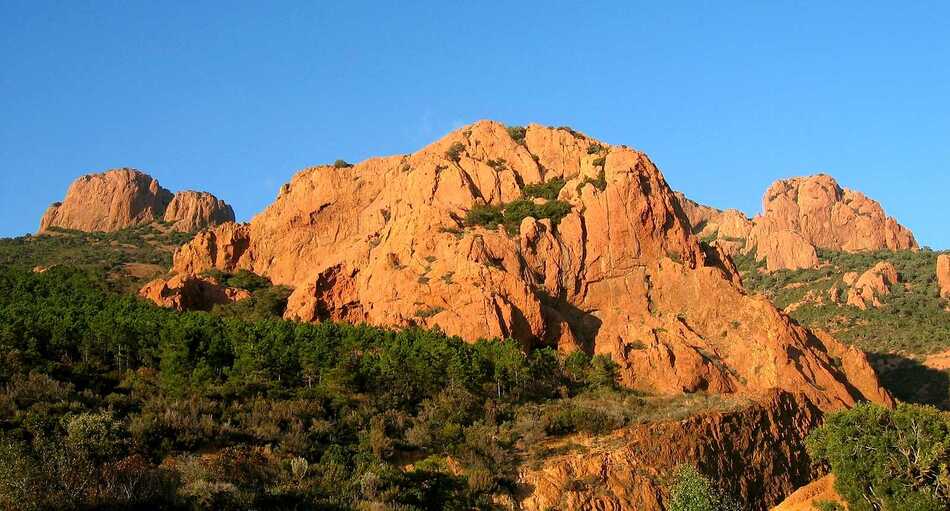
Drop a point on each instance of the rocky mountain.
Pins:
(122, 198)
(800, 215)
(606, 263)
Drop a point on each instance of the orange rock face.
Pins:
(759, 461)
(823, 215)
(943, 275)
(805, 498)
(121, 198)
(192, 211)
(189, 292)
(872, 284)
(385, 242)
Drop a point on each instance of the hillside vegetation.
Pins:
(109, 402)
(911, 323)
(127, 258)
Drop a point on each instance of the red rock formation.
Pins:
(943, 275)
(109, 201)
(818, 212)
(190, 292)
(805, 498)
(384, 242)
(875, 282)
(121, 198)
(191, 211)
(759, 461)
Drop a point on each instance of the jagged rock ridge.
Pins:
(802, 214)
(385, 242)
(121, 198)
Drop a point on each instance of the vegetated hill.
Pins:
(910, 322)
(126, 258)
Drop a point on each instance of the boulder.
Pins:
(190, 292)
(872, 284)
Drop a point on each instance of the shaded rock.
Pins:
(190, 292)
(385, 242)
(759, 461)
(943, 275)
(191, 211)
(122, 198)
(872, 284)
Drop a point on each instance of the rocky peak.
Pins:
(121, 198)
(191, 211)
(830, 217)
(456, 236)
(799, 216)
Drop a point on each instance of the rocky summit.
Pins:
(800, 215)
(122, 198)
(402, 240)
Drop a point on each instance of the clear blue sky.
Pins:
(234, 97)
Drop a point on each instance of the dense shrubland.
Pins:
(110, 402)
(887, 459)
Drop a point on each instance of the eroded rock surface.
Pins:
(190, 292)
(866, 290)
(191, 211)
(943, 275)
(385, 242)
(805, 498)
(759, 461)
(122, 198)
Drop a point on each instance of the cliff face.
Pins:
(756, 453)
(121, 198)
(385, 242)
(191, 211)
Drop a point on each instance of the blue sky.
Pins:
(234, 97)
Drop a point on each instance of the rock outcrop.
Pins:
(760, 461)
(191, 211)
(866, 290)
(805, 498)
(943, 275)
(122, 198)
(386, 242)
(190, 292)
(800, 215)
(815, 211)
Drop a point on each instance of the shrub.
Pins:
(887, 458)
(600, 183)
(547, 190)
(454, 152)
(517, 133)
(341, 164)
(692, 491)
